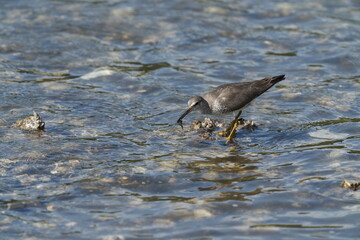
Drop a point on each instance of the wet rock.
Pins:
(30, 123)
(206, 127)
(207, 124)
(248, 124)
(351, 185)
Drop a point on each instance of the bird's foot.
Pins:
(226, 132)
(232, 133)
(222, 133)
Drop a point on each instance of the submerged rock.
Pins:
(30, 123)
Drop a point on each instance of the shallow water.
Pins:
(110, 79)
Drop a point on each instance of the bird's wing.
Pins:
(227, 98)
(235, 96)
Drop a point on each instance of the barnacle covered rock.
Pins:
(33, 122)
(351, 185)
(207, 124)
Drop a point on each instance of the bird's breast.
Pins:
(218, 108)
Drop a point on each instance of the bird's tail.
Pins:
(277, 79)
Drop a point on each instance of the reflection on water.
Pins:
(111, 78)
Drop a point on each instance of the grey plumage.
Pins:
(229, 97)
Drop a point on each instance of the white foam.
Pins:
(326, 134)
(97, 73)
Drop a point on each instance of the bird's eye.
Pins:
(196, 103)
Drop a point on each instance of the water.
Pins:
(110, 79)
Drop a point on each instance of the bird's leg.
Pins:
(226, 132)
(230, 128)
(233, 125)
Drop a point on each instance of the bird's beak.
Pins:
(179, 121)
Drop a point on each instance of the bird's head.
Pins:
(194, 104)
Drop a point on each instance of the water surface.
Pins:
(110, 79)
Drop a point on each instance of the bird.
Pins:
(228, 98)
